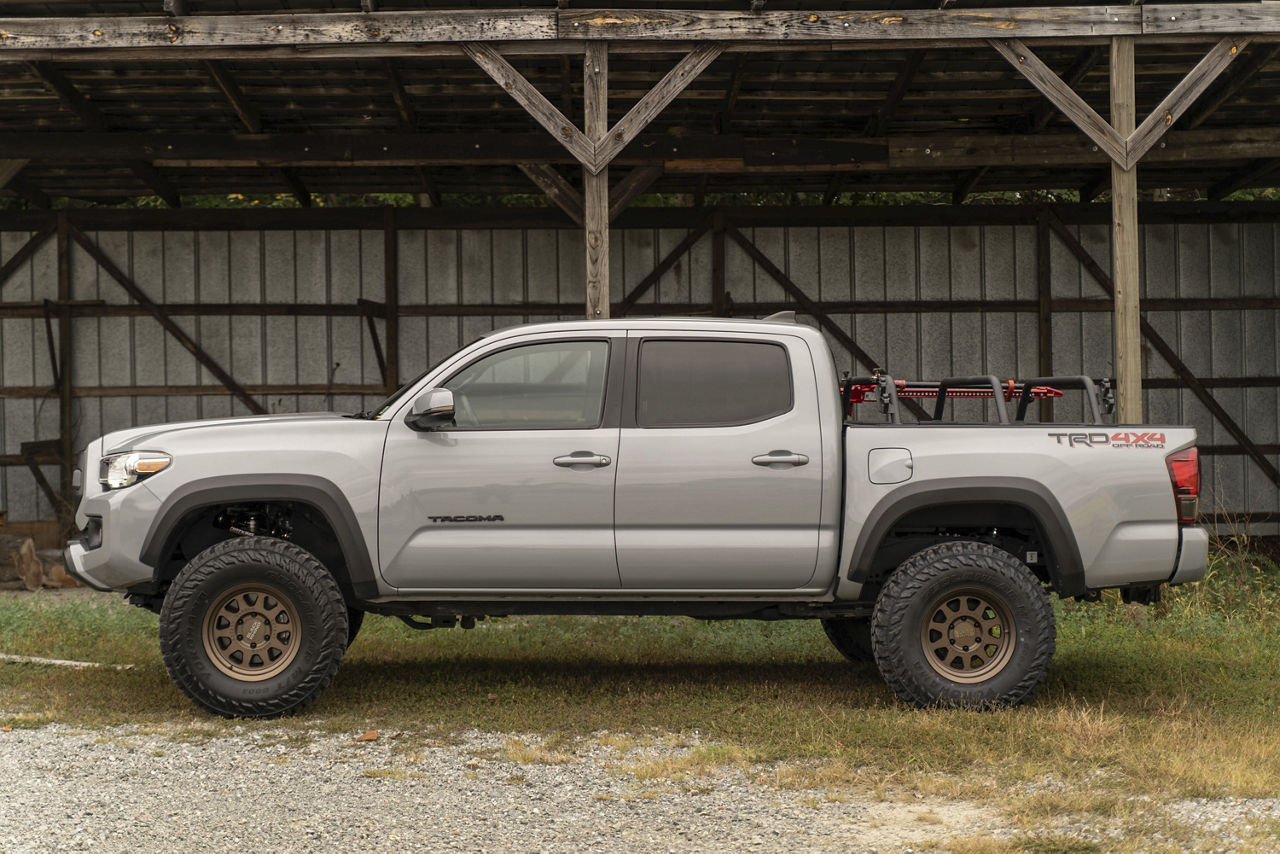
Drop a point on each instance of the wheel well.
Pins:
(296, 521)
(1007, 526)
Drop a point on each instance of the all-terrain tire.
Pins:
(963, 624)
(851, 636)
(253, 627)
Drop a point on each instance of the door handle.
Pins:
(785, 458)
(582, 458)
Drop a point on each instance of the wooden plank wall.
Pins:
(511, 266)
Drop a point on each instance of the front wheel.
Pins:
(253, 627)
(963, 624)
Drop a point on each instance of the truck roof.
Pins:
(675, 324)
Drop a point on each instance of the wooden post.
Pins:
(391, 295)
(595, 195)
(1124, 243)
(718, 290)
(66, 423)
(1044, 308)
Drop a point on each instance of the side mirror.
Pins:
(431, 410)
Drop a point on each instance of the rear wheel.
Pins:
(963, 624)
(253, 627)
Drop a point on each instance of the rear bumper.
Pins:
(1193, 555)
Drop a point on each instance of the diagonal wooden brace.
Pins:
(535, 103)
(1124, 150)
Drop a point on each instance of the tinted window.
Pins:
(711, 383)
(555, 385)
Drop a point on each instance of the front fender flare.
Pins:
(317, 492)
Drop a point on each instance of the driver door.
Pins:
(519, 494)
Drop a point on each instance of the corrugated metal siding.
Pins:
(482, 267)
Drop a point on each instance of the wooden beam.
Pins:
(1063, 97)
(66, 374)
(556, 187)
(878, 125)
(297, 189)
(1210, 18)
(24, 253)
(33, 197)
(391, 295)
(1243, 74)
(1094, 188)
(155, 182)
(853, 25)
(140, 296)
(408, 121)
(533, 101)
(595, 190)
(632, 186)
(428, 188)
(725, 117)
(1124, 242)
(1180, 99)
(231, 91)
(9, 170)
(662, 267)
(1189, 379)
(61, 35)
(684, 153)
(1044, 307)
(76, 102)
(814, 310)
(1079, 69)
(611, 141)
(1256, 174)
(965, 186)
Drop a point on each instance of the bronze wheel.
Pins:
(253, 627)
(968, 635)
(252, 632)
(963, 624)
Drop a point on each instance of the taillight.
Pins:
(1184, 472)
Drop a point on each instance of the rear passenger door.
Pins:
(719, 480)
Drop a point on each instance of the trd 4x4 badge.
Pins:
(1115, 440)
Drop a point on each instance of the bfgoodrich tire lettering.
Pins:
(253, 627)
(963, 624)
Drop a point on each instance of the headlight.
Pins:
(120, 470)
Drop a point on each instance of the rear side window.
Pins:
(711, 383)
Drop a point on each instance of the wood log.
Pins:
(55, 571)
(30, 567)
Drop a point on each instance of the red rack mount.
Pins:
(886, 391)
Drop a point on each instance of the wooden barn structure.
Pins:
(598, 107)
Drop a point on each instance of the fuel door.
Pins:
(889, 465)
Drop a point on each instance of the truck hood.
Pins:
(152, 436)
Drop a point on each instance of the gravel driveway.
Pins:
(242, 788)
(124, 789)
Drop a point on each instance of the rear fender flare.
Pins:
(1066, 572)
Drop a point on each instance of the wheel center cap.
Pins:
(964, 634)
(253, 630)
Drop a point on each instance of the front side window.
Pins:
(557, 385)
(711, 383)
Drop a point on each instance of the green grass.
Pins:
(1178, 700)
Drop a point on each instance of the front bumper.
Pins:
(75, 554)
(1193, 555)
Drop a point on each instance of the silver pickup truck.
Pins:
(698, 467)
